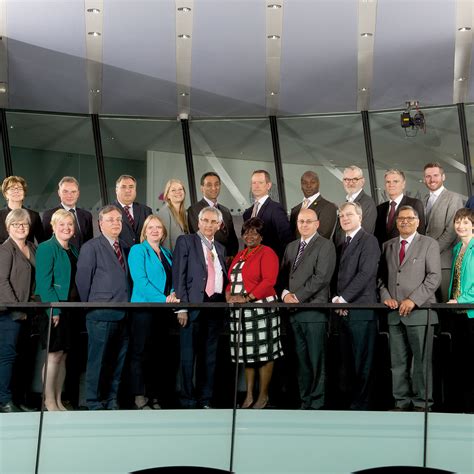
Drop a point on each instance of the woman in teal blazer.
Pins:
(56, 263)
(150, 268)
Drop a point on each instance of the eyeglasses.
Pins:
(351, 180)
(15, 188)
(409, 219)
(306, 221)
(18, 225)
(111, 220)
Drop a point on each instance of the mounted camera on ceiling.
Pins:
(413, 119)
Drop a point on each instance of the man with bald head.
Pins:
(305, 275)
(326, 210)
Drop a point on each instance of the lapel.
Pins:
(351, 248)
(262, 209)
(109, 250)
(199, 252)
(360, 196)
(306, 252)
(412, 249)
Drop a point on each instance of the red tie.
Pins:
(402, 251)
(391, 216)
(118, 252)
(126, 209)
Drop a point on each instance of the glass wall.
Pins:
(470, 131)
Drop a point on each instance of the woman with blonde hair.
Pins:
(173, 213)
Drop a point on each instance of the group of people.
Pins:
(404, 253)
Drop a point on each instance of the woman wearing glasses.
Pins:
(17, 283)
(173, 213)
(14, 190)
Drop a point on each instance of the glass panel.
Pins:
(2, 163)
(150, 150)
(470, 131)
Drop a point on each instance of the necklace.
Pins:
(248, 252)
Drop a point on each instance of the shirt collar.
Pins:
(353, 197)
(211, 204)
(409, 239)
(397, 200)
(437, 192)
(262, 200)
(313, 198)
(354, 232)
(308, 240)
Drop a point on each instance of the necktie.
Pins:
(429, 205)
(402, 251)
(391, 216)
(300, 253)
(126, 209)
(255, 209)
(211, 274)
(305, 203)
(78, 228)
(346, 244)
(118, 252)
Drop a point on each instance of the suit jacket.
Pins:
(310, 279)
(382, 233)
(467, 276)
(16, 285)
(101, 278)
(81, 235)
(36, 228)
(327, 215)
(440, 223)
(369, 217)
(357, 272)
(130, 235)
(173, 229)
(148, 273)
(53, 272)
(190, 269)
(225, 235)
(276, 231)
(417, 278)
(470, 203)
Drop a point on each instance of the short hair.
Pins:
(216, 211)
(357, 207)
(17, 215)
(60, 215)
(312, 174)
(464, 213)
(253, 223)
(206, 175)
(434, 164)
(107, 210)
(308, 209)
(68, 179)
(354, 168)
(125, 176)
(395, 171)
(408, 208)
(266, 173)
(10, 181)
(150, 218)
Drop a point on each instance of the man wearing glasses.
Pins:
(409, 277)
(199, 276)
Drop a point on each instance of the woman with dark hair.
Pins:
(14, 190)
(252, 277)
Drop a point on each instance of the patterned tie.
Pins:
(305, 203)
(126, 209)
(255, 209)
(402, 251)
(211, 274)
(78, 227)
(118, 252)
(391, 216)
(300, 253)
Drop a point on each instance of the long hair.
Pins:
(180, 215)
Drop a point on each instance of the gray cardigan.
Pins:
(172, 227)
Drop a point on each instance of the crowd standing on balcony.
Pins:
(404, 253)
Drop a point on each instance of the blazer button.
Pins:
(398, 284)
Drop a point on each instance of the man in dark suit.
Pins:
(68, 192)
(410, 273)
(353, 181)
(199, 275)
(357, 260)
(326, 210)
(134, 213)
(305, 274)
(103, 276)
(276, 231)
(210, 189)
(385, 228)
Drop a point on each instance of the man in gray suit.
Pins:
(305, 274)
(409, 277)
(440, 207)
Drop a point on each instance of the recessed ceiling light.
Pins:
(461, 79)
(93, 10)
(274, 6)
(94, 33)
(184, 36)
(94, 91)
(184, 9)
(273, 93)
(273, 37)
(465, 28)
(184, 94)
(363, 89)
(11, 126)
(366, 35)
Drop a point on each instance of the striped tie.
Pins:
(300, 253)
(126, 209)
(119, 254)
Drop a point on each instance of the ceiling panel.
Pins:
(228, 58)
(139, 56)
(414, 53)
(319, 57)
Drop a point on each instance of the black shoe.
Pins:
(9, 407)
(207, 407)
(421, 409)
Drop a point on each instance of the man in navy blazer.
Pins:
(68, 191)
(357, 263)
(199, 275)
(103, 276)
(134, 213)
(276, 230)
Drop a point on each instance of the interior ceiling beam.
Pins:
(94, 29)
(4, 89)
(274, 31)
(184, 43)
(367, 17)
(463, 50)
